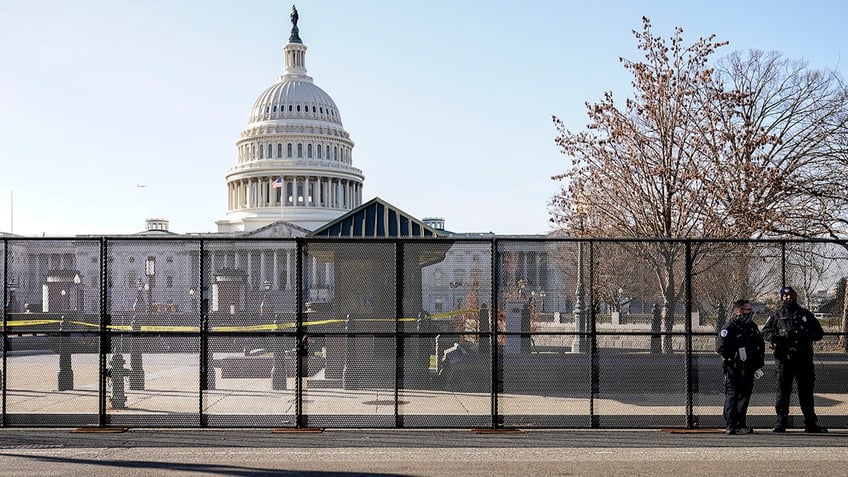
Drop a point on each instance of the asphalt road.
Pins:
(262, 452)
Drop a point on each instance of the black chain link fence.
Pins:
(419, 333)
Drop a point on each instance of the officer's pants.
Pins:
(798, 367)
(738, 386)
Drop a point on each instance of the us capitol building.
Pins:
(295, 158)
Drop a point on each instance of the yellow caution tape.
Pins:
(195, 329)
(31, 322)
(262, 327)
(82, 323)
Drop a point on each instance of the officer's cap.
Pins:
(787, 291)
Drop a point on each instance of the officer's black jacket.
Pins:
(792, 329)
(741, 334)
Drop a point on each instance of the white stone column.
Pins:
(276, 279)
(328, 279)
(251, 192)
(288, 270)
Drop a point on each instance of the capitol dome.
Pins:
(294, 157)
(294, 100)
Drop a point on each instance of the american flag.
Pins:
(278, 184)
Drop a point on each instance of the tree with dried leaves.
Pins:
(752, 148)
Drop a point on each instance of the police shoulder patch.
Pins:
(724, 333)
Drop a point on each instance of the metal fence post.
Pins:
(690, 373)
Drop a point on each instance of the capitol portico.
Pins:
(295, 160)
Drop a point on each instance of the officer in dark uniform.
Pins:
(791, 331)
(743, 349)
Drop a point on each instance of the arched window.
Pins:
(318, 149)
(300, 150)
(328, 152)
(279, 150)
(298, 108)
(270, 151)
(290, 108)
(261, 150)
(309, 151)
(336, 153)
(289, 150)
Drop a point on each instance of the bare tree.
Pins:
(689, 157)
(778, 151)
(635, 170)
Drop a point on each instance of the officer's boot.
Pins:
(781, 425)
(814, 428)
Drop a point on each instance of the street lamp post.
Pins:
(192, 300)
(542, 295)
(12, 304)
(136, 373)
(66, 372)
(278, 370)
(136, 359)
(117, 371)
(77, 285)
(263, 306)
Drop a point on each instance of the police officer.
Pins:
(791, 331)
(743, 349)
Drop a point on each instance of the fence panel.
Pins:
(251, 333)
(358, 328)
(445, 335)
(542, 368)
(52, 313)
(427, 333)
(152, 347)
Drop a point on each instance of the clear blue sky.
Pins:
(449, 102)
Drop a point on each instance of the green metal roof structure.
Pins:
(375, 218)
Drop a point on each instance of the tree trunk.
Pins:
(669, 304)
(844, 327)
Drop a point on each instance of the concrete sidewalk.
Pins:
(172, 398)
(262, 452)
